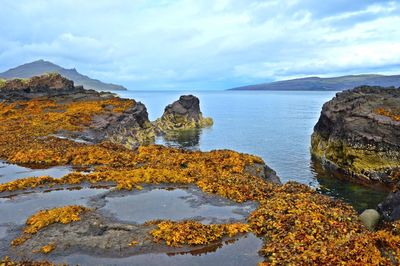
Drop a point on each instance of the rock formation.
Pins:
(129, 126)
(358, 133)
(183, 114)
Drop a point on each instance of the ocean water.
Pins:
(275, 125)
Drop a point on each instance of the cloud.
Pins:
(188, 44)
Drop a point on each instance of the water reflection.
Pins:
(17, 209)
(242, 252)
(205, 250)
(336, 185)
(176, 204)
(10, 172)
(187, 139)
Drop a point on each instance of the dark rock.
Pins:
(132, 127)
(390, 207)
(359, 132)
(263, 171)
(271, 176)
(186, 105)
(129, 128)
(183, 114)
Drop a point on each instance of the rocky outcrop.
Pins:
(130, 127)
(183, 114)
(39, 86)
(358, 133)
(49, 86)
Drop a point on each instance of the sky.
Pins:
(203, 44)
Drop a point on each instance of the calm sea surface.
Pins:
(273, 125)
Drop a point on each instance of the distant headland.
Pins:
(327, 84)
(41, 67)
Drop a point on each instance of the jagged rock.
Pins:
(38, 83)
(35, 87)
(183, 114)
(130, 128)
(370, 218)
(358, 133)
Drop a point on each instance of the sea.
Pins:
(275, 125)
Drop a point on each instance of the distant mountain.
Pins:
(327, 84)
(40, 67)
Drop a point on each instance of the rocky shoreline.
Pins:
(48, 121)
(130, 127)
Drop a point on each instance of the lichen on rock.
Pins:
(358, 133)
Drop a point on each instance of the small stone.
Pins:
(370, 218)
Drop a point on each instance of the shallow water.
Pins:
(275, 125)
(241, 252)
(3, 231)
(176, 204)
(360, 197)
(17, 209)
(153, 202)
(10, 172)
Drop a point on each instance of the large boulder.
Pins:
(183, 114)
(358, 133)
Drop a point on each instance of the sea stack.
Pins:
(183, 114)
(358, 133)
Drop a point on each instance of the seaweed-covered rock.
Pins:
(117, 120)
(130, 127)
(358, 133)
(183, 114)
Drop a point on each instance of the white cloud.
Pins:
(209, 44)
